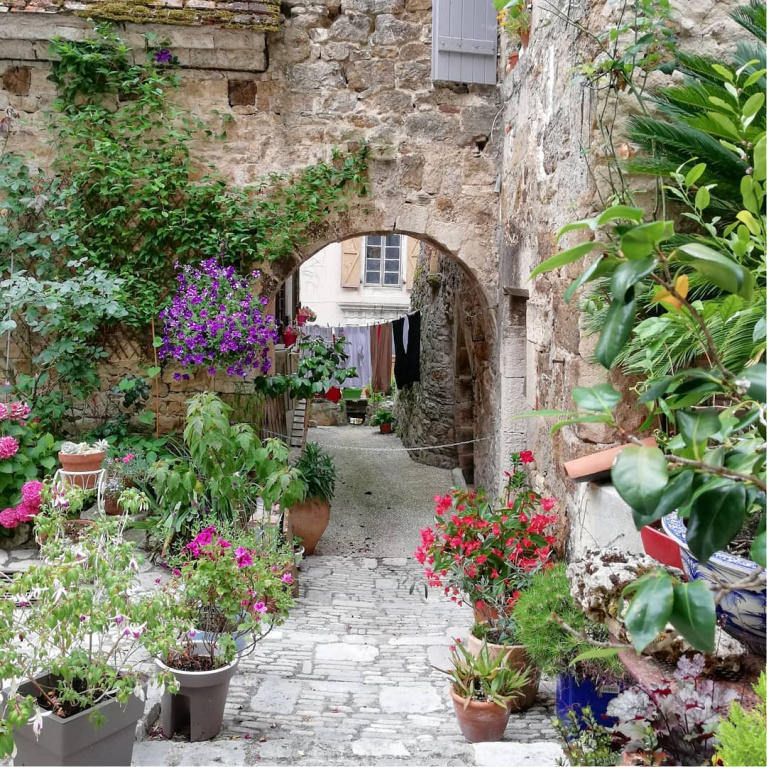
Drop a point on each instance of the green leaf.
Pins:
(640, 241)
(588, 223)
(598, 418)
(760, 159)
(759, 546)
(565, 257)
(153, 371)
(628, 274)
(675, 494)
(694, 614)
(747, 193)
(621, 212)
(753, 225)
(599, 397)
(753, 105)
(702, 198)
(760, 330)
(650, 608)
(716, 516)
(157, 342)
(724, 72)
(695, 173)
(718, 268)
(640, 476)
(616, 330)
(595, 654)
(756, 375)
(598, 268)
(146, 418)
(697, 426)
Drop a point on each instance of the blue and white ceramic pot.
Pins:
(742, 612)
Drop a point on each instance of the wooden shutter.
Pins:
(413, 249)
(351, 256)
(464, 41)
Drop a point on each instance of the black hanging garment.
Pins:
(407, 349)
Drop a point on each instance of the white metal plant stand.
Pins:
(98, 483)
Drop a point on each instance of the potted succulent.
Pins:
(310, 518)
(515, 20)
(82, 462)
(70, 630)
(482, 689)
(383, 419)
(256, 597)
(539, 613)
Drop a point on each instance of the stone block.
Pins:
(390, 30)
(543, 754)
(413, 75)
(372, 6)
(352, 27)
(242, 92)
(315, 75)
(373, 75)
(346, 652)
(18, 50)
(410, 699)
(378, 747)
(244, 60)
(276, 696)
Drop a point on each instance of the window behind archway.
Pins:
(383, 260)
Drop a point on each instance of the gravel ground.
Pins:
(382, 499)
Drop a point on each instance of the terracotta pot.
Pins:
(309, 521)
(516, 658)
(525, 38)
(480, 722)
(385, 428)
(513, 61)
(90, 462)
(111, 506)
(596, 467)
(660, 546)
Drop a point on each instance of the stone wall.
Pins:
(338, 72)
(548, 124)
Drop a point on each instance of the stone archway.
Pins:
(472, 346)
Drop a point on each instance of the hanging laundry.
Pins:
(407, 350)
(380, 353)
(358, 349)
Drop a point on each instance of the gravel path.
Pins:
(383, 499)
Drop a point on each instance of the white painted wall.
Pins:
(321, 290)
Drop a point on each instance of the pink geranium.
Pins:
(8, 447)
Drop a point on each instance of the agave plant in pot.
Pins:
(483, 688)
(310, 518)
(72, 632)
(233, 596)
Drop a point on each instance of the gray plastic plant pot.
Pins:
(75, 741)
(197, 709)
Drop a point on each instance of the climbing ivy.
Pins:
(127, 194)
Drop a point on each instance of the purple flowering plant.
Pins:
(235, 590)
(216, 321)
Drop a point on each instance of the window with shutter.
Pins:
(383, 260)
(464, 41)
(350, 262)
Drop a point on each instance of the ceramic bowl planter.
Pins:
(575, 693)
(596, 467)
(516, 657)
(743, 612)
(480, 722)
(75, 741)
(78, 464)
(309, 521)
(198, 706)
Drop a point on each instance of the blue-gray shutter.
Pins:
(464, 41)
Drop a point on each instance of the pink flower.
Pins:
(287, 578)
(526, 456)
(224, 544)
(548, 503)
(3, 411)
(9, 518)
(8, 447)
(18, 411)
(30, 493)
(259, 607)
(243, 557)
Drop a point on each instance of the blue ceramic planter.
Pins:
(742, 612)
(573, 693)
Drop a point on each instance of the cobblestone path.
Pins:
(347, 680)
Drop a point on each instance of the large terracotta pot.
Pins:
(480, 722)
(309, 521)
(516, 658)
(89, 462)
(525, 39)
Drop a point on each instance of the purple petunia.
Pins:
(163, 56)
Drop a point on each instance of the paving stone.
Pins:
(379, 747)
(276, 696)
(151, 753)
(202, 754)
(347, 653)
(505, 754)
(410, 699)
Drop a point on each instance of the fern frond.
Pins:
(752, 17)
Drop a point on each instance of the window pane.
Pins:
(373, 265)
(392, 239)
(392, 252)
(391, 266)
(372, 278)
(391, 278)
(373, 251)
(374, 239)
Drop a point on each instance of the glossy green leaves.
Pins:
(640, 475)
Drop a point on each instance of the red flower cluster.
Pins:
(483, 551)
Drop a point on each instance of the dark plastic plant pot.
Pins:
(576, 694)
(385, 428)
(660, 546)
(198, 707)
(75, 741)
